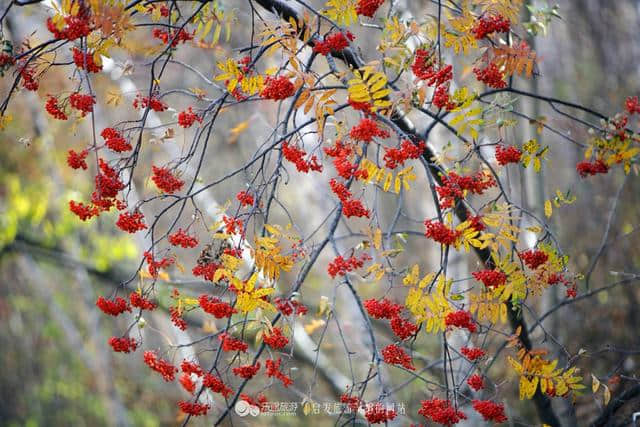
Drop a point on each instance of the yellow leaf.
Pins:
(412, 277)
(314, 325)
(368, 85)
(237, 130)
(5, 120)
(595, 383)
(206, 29)
(548, 208)
(387, 182)
(397, 184)
(343, 12)
(144, 274)
(114, 98)
(377, 239)
(216, 34)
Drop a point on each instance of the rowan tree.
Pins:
(402, 124)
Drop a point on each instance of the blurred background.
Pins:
(56, 367)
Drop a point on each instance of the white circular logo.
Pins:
(254, 410)
(244, 408)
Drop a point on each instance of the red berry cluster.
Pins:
(506, 155)
(74, 27)
(490, 411)
(216, 385)
(232, 225)
(164, 10)
(181, 238)
(383, 309)
(476, 222)
(439, 232)
(394, 355)
(187, 118)
(154, 103)
(591, 168)
(123, 345)
(335, 42)
(487, 25)
(76, 160)
(426, 67)
(191, 368)
(632, 105)
(491, 76)
(138, 301)
(245, 198)
(230, 343)
(216, 307)
(82, 103)
(6, 61)
(275, 339)
(260, 402)
(277, 88)
(83, 61)
(441, 98)
(206, 271)
(341, 154)
(195, 409)
(235, 252)
(187, 383)
(394, 157)
(441, 411)
(386, 309)
(490, 278)
(273, 370)
(176, 37)
(476, 382)
(352, 402)
(453, 186)
(350, 207)
(246, 371)
(177, 319)
(131, 222)
(461, 319)
(368, 8)
(108, 184)
(288, 307)
(53, 108)
(339, 266)
(82, 211)
(556, 278)
(533, 258)
(377, 413)
(155, 266)
(165, 180)
(114, 140)
(164, 368)
(113, 308)
(362, 106)
(472, 353)
(403, 328)
(366, 130)
(296, 156)
(28, 81)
